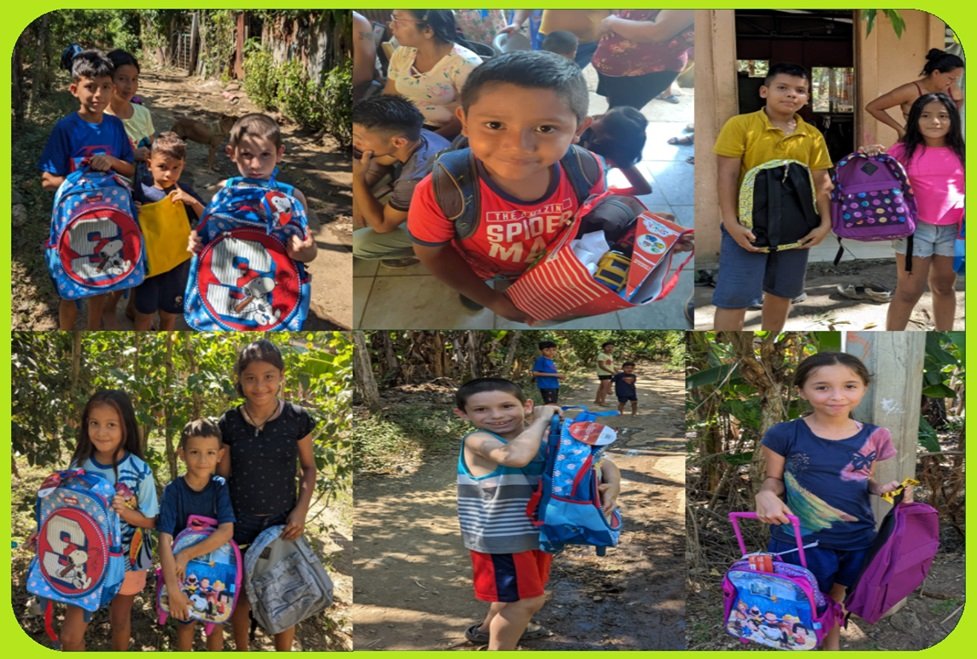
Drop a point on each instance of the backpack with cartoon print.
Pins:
(95, 245)
(243, 278)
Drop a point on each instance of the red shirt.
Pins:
(620, 57)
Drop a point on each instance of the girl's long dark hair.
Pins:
(441, 22)
(806, 367)
(119, 401)
(914, 138)
(262, 350)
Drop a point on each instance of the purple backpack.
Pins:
(773, 603)
(872, 199)
(898, 561)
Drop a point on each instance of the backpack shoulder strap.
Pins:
(583, 169)
(456, 190)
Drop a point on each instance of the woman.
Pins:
(429, 67)
(941, 74)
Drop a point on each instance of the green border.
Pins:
(962, 20)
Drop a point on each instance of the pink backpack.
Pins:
(773, 603)
(898, 561)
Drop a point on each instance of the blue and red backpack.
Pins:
(79, 557)
(95, 245)
(243, 279)
(566, 506)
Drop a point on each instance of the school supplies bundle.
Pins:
(899, 560)
(95, 245)
(243, 279)
(777, 202)
(635, 269)
(566, 506)
(79, 557)
(285, 581)
(871, 200)
(166, 228)
(211, 581)
(773, 603)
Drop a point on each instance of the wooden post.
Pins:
(895, 360)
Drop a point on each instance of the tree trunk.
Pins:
(363, 372)
(17, 85)
(167, 408)
(392, 373)
(436, 342)
(510, 354)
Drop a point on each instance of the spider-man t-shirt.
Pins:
(827, 482)
(510, 235)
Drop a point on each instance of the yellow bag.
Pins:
(166, 230)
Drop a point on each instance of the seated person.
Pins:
(619, 136)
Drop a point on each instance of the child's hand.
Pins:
(142, 154)
(546, 412)
(31, 541)
(815, 237)
(181, 559)
(743, 237)
(505, 308)
(294, 525)
(878, 489)
(195, 244)
(686, 243)
(179, 604)
(300, 249)
(771, 509)
(609, 492)
(100, 163)
(871, 149)
(181, 195)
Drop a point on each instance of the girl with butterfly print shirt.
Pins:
(823, 463)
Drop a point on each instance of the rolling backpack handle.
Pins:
(795, 522)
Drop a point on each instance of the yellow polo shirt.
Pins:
(754, 140)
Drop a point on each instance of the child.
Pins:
(619, 136)
(823, 463)
(520, 112)
(264, 439)
(605, 371)
(255, 146)
(108, 445)
(932, 151)
(546, 374)
(624, 388)
(562, 43)
(86, 137)
(198, 492)
(163, 292)
(499, 465)
(774, 132)
(135, 117)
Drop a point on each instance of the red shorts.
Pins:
(510, 577)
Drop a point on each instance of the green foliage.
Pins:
(299, 98)
(895, 19)
(217, 42)
(260, 75)
(337, 94)
(388, 443)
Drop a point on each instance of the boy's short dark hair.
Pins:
(785, 68)
(199, 428)
(530, 69)
(561, 42)
(605, 344)
(90, 64)
(257, 124)
(169, 144)
(627, 364)
(120, 58)
(543, 345)
(481, 385)
(624, 130)
(391, 115)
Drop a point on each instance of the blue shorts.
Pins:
(829, 566)
(930, 240)
(744, 275)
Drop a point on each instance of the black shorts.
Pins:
(636, 91)
(624, 399)
(163, 292)
(604, 377)
(549, 395)
(249, 527)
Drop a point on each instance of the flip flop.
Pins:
(684, 140)
(671, 98)
(871, 293)
(533, 632)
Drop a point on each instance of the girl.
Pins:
(264, 438)
(932, 152)
(619, 136)
(823, 463)
(940, 74)
(108, 445)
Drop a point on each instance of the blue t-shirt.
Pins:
(180, 501)
(624, 384)
(545, 365)
(827, 482)
(74, 139)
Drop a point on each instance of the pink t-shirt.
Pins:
(510, 234)
(937, 177)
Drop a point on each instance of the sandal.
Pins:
(871, 293)
(684, 140)
(533, 632)
(671, 98)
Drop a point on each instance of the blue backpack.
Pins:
(243, 279)
(95, 245)
(79, 557)
(566, 506)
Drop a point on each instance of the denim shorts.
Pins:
(930, 240)
(744, 275)
(829, 566)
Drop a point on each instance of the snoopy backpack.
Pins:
(79, 557)
(243, 278)
(95, 245)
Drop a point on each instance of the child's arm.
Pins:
(610, 486)
(179, 194)
(823, 186)
(303, 249)
(639, 185)
(770, 508)
(295, 524)
(179, 604)
(447, 265)
(727, 179)
(51, 181)
(220, 537)
(104, 162)
(520, 451)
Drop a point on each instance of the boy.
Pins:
(605, 371)
(562, 43)
(545, 372)
(624, 388)
(86, 137)
(388, 131)
(499, 467)
(774, 132)
(520, 112)
(255, 146)
(163, 292)
(198, 492)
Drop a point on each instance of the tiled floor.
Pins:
(410, 298)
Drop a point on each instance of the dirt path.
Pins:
(413, 576)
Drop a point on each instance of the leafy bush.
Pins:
(260, 75)
(337, 90)
(298, 97)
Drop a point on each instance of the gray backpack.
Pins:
(285, 581)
